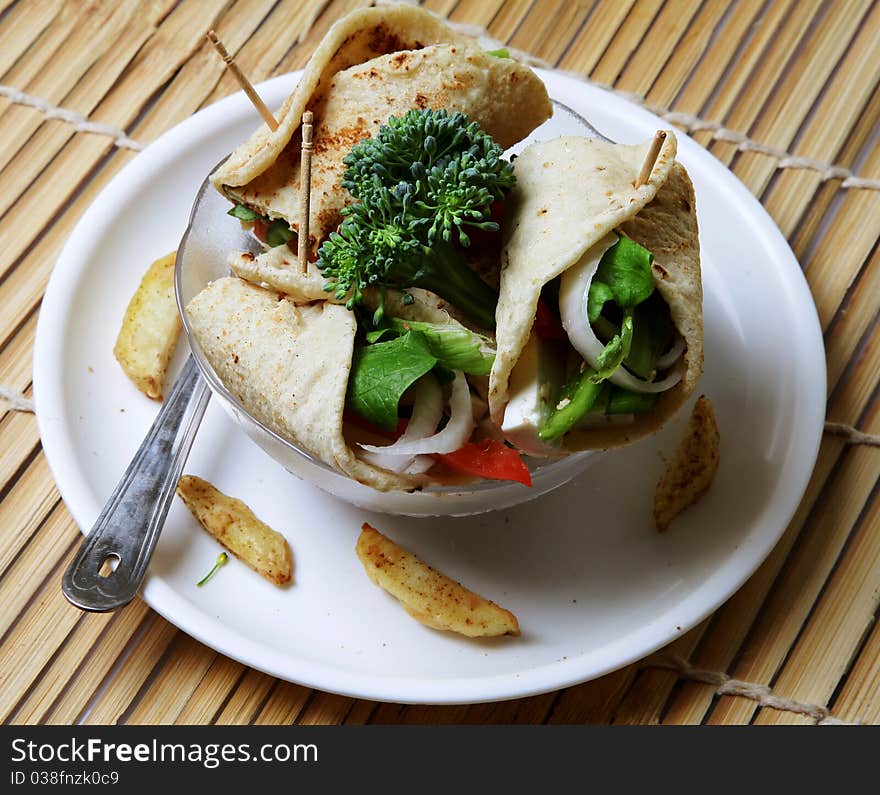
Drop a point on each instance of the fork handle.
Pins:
(129, 525)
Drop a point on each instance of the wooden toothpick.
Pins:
(651, 158)
(305, 192)
(253, 96)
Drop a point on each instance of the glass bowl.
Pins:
(211, 235)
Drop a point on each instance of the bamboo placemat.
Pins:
(784, 92)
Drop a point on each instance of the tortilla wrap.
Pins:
(288, 366)
(277, 270)
(373, 64)
(570, 193)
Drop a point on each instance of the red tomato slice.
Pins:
(490, 459)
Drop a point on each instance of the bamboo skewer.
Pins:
(246, 85)
(306, 162)
(651, 158)
(305, 192)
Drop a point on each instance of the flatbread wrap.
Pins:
(289, 365)
(577, 223)
(373, 64)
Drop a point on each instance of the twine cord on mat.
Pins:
(80, 123)
(15, 401)
(743, 143)
(688, 121)
(852, 435)
(727, 686)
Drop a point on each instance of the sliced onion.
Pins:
(426, 414)
(450, 439)
(574, 288)
(622, 377)
(420, 464)
(672, 355)
(401, 464)
(393, 463)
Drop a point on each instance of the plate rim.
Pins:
(162, 597)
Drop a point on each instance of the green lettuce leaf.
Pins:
(454, 346)
(625, 270)
(597, 296)
(382, 372)
(622, 401)
(381, 334)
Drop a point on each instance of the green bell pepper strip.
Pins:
(577, 397)
(622, 401)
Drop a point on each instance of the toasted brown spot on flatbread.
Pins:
(660, 271)
(330, 218)
(344, 138)
(383, 39)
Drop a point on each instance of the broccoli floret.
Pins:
(418, 183)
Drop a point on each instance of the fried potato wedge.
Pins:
(150, 329)
(234, 525)
(427, 595)
(690, 473)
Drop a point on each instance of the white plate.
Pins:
(593, 584)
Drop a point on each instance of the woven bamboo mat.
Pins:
(778, 90)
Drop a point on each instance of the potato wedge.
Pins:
(689, 474)
(427, 595)
(150, 329)
(234, 525)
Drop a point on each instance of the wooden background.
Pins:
(797, 76)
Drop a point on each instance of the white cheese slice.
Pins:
(535, 380)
